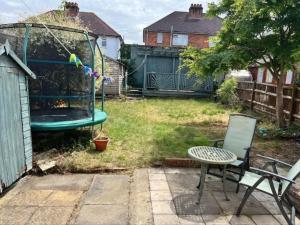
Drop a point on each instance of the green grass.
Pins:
(144, 131)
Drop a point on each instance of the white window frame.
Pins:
(103, 40)
(269, 77)
(210, 42)
(159, 38)
(260, 75)
(289, 77)
(180, 39)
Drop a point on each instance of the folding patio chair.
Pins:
(272, 184)
(238, 139)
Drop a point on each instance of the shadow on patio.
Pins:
(174, 195)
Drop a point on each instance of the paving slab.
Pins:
(110, 182)
(51, 216)
(191, 220)
(18, 215)
(63, 198)
(215, 219)
(30, 198)
(264, 220)
(282, 221)
(185, 204)
(159, 185)
(182, 182)
(161, 196)
(157, 176)
(163, 207)
(75, 182)
(240, 220)
(103, 215)
(116, 196)
(166, 220)
(140, 211)
(106, 201)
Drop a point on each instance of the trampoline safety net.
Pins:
(61, 92)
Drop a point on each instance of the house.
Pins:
(263, 75)
(15, 136)
(109, 40)
(181, 29)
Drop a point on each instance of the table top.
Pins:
(211, 155)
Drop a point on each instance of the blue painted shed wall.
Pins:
(15, 134)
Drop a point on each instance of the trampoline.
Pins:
(62, 97)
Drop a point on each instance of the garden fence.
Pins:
(261, 97)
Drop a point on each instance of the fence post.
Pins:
(126, 82)
(253, 95)
(145, 74)
(291, 110)
(178, 74)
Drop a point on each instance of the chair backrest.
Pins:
(239, 134)
(293, 173)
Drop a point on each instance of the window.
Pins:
(260, 75)
(211, 42)
(269, 77)
(159, 38)
(180, 39)
(289, 77)
(103, 42)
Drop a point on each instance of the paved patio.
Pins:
(149, 197)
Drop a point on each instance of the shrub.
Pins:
(227, 92)
(269, 130)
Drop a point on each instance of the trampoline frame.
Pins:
(98, 116)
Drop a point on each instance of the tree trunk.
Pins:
(279, 102)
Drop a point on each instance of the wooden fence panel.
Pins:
(262, 98)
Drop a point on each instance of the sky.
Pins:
(127, 17)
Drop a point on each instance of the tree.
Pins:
(262, 32)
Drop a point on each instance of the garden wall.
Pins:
(116, 71)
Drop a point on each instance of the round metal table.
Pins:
(211, 155)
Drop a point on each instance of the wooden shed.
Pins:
(15, 133)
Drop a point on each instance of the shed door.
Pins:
(12, 159)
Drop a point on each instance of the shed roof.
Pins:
(7, 49)
(182, 23)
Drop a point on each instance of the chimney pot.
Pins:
(71, 9)
(196, 11)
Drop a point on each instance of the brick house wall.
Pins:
(199, 40)
(151, 39)
(116, 71)
(195, 40)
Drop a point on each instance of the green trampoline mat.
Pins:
(100, 117)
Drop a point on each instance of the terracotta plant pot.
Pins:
(101, 143)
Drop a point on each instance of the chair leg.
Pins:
(246, 196)
(279, 204)
(240, 178)
(283, 212)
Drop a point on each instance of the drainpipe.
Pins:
(171, 36)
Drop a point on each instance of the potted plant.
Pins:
(101, 140)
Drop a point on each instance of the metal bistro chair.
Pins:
(238, 140)
(272, 184)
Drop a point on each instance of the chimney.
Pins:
(71, 9)
(195, 11)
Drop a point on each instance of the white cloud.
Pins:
(127, 17)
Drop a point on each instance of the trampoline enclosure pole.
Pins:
(93, 79)
(25, 43)
(103, 74)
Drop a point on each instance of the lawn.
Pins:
(145, 131)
